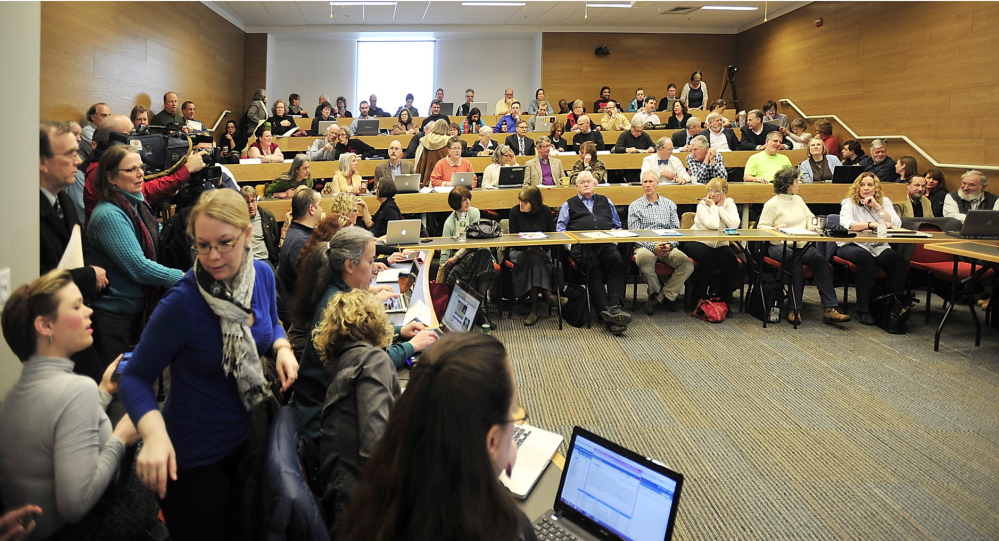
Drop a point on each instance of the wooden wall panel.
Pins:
(129, 54)
(255, 67)
(927, 70)
(570, 70)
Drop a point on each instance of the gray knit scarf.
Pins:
(239, 350)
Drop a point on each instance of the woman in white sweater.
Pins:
(866, 205)
(715, 212)
(503, 157)
(788, 209)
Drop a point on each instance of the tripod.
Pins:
(730, 79)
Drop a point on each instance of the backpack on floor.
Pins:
(764, 299)
(575, 310)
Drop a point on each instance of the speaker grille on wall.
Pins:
(601, 51)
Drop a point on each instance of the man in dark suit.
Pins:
(681, 139)
(521, 144)
(395, 164)
(754, 133)
(719, 137)
(57, 162)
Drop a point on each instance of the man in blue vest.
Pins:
(605, 270)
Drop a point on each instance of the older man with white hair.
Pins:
(881, 163)
(586, 133)
(971, 196)
(324, 150)
(719, 137)
(667, 167)
(705, 163)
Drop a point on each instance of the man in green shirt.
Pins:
(762, 167)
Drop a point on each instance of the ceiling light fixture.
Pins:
(364, 3)
(495, 4)
(608, 5)
(731, 8)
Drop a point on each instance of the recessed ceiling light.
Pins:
(494, 4)
(365, 3)
(731, 8)
(609, 5)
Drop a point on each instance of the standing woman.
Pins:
(125, 235)
(695, 93)
(211, 330)
(936, 186)
(866, 205)
(256, 114)
(819, 166)
(432, 148)
(906, 167)
(533, 269)
(588, 161)
(715, 212)
(434, 473)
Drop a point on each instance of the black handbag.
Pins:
(891, 311)
(483, 229)
(766, 301)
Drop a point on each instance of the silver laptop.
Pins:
(403, 232)
(979, 225)
(324, 125)
(462, 307)
(407, 183)
(447, 108)
(543, 124)
(462, 179)
(481, 105)
(512, 177)
(609, 492)
(535, 449)
(367, 126)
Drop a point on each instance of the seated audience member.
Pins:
(534, 268)
(388, 210)
(563, 107)
(170, 115)
(508, 123)
(435, 114)
(265, 235)
(613, 120)
(637, 102)
(352, 145)
(754, 133)
(325, 115)
(485, 146)
(432, 148)
(387, 170)
(538, 101)
(343, 264)
(460, 402)
(682, 138)
(853, 154)
(577, 111)
(465, 109)
(265, 148)
(451, 163)
(670, 95)
(365, 115)
(705, 163)
(819, 165)
(473, 122)
(373, 108)
(543, 171)
(306, 213)
(473, 266)
(824, 131)
(124, 233)
(340, 111)
(227, 142)
(648, 115)
(695, 93)
(770, 114)
(140, 117)
(559, 143)
(439, 95)
(936, 190)
(905, 167)
(865, 205)
(95, 115)
(191, 125)
(635, 140)
(323, 98)
(324, 150)
(605, 270)
(715, 212)
(455, 131)
(346, 179)
(59, 449)
(541, 120)
(503, 105)
(351, 338)
(881, 164)
(667, 167)
(718, 106)
(413, 112)
(653, 211)
(588, 163)
(281, 123)
(503, 157)
(718, 136)
(521, 144)
(600, 106)
(762, 166)
(256, 113)
(915, 204)
(211, 340)
(584, 133)
(678, 116)
(798, 137)
(404, 124)
(295, 106)
(75, 190)
(298, 174)
(788, 209)
(970, 196)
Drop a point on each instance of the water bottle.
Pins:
(882, 228)
(462, 226)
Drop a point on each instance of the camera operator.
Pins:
(154, 190)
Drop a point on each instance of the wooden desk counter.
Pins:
(982, 250)
(503, 241)
(686, 235)
(936, 237)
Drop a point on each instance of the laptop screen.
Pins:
(459, 316)
(617, 490)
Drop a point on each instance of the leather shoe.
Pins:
(832, 315)
(865, 318)
(531, 319)
(794, 317)
(617, 330)
(616, 315)
(651, 305)
(669, 304)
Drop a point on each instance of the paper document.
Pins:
(388, 275)
(621, 233)
(72, 258)
(535, 235)
(597, 235)
(798, 231)
(667, 232)
(419, 311)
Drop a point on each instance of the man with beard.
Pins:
(881, 164)
(971, 196)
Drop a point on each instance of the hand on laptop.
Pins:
(383, 293)
(423, 340)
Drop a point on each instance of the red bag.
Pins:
(440, 294)
(711, 310)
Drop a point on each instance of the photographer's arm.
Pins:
(159, 189)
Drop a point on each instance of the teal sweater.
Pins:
(120, 254)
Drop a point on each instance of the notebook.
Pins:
(407, 183)
(609, 492)
(402, 232)
(535, 449)
(462, 179)
(979, 224)
(462, 307)
(512, 177)
(846, 174)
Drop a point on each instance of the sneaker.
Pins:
(865, 318)
(651, 305)
(616, 315)
(832, 315)
(616, 330)
(531, 319)
(794, 317)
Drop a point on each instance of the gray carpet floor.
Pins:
(824, 432)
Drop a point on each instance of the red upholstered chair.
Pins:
(663, 271)
(940, 266)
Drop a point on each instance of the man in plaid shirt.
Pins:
(704, 162)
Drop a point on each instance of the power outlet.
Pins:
(4, 285)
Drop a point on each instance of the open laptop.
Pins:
(543, 123)
(402, 232)
(609, 492)
(481, 105)
(401, 303)
(407, 183)
(979, 225)
(535, 449)
(462, 307)
(447, 108)
(512, 177)
(367, 126)
(323, 126)
(462, 179)
(846, 174)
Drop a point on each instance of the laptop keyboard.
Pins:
(520, 434)
(546, 529)
(972, 237)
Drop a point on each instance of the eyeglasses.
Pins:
(132, 170)
(715, 192)
(204, 248)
